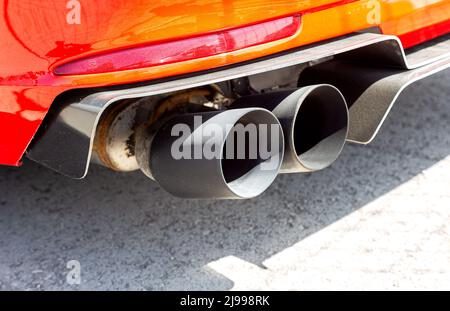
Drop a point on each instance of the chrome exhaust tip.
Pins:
(204, 155)
(314, 121)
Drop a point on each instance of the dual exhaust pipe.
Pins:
(237, 153)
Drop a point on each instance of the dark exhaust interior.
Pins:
(320, 128)
(242, 161)
(236, 164)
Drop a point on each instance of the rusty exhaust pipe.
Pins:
(168, 153)
(314, 121)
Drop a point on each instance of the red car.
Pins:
(211, 99)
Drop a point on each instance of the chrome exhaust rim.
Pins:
(314, 159)
(257, 180)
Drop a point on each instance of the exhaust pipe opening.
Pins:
(314, 121)
(246, 170)
(233, 167)
(320, 128)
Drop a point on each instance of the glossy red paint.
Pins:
(22, 111)
(416, 37)
(35, 38)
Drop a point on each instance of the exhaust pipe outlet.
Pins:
(212, 154)
(315, 124)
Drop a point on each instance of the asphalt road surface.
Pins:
(379, 218)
